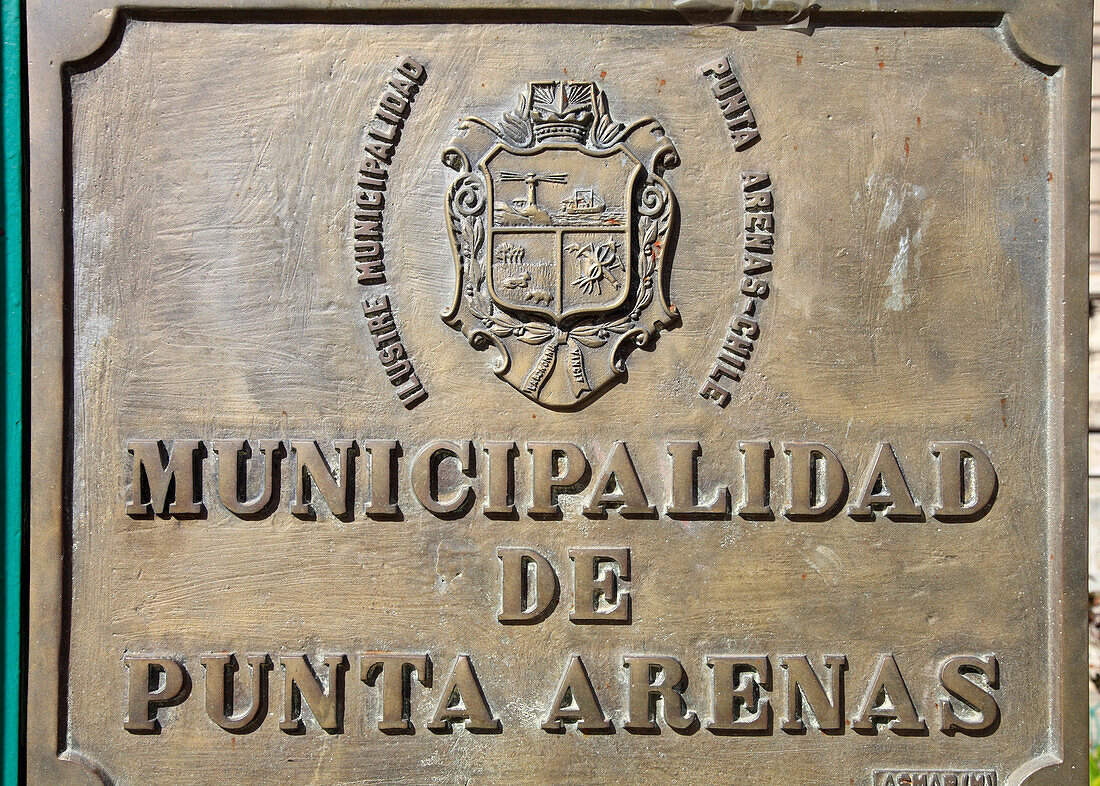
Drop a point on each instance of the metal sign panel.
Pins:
(451, 392)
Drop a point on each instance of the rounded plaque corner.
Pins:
(1046, 770)
(80, 769)
(103, 31)
(1041, 39)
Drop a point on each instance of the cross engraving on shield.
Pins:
(559, 223)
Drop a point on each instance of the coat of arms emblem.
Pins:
(560, 224)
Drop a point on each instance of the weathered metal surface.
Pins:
(444, 394)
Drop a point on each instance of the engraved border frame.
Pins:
(67, 35)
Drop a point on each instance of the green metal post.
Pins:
(11, 397)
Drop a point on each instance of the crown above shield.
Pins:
(561, 111)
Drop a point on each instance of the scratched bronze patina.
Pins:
(577, 393)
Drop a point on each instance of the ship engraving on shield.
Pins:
(561, 225)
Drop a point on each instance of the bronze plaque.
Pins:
(459, 392)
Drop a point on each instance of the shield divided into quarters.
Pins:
(559, 229)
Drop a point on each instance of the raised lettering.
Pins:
(163, 481)
(597, 574)
(395, 671)
(426, 471)
(301, 686)
(981, 714)
(383, 478)
(220, 691)
(575, 701)
(618, 485)
(685, 484)
(884, 486)
(518, 568)
(233, 455)
(967, 481)
(313, 469)
(153, 683)
(756, 480)
(546, 480)
(818, 483)
(463, 700)
(657, 680)
(804, 688)
(739, 701)
(500, 468)
(887, 700)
